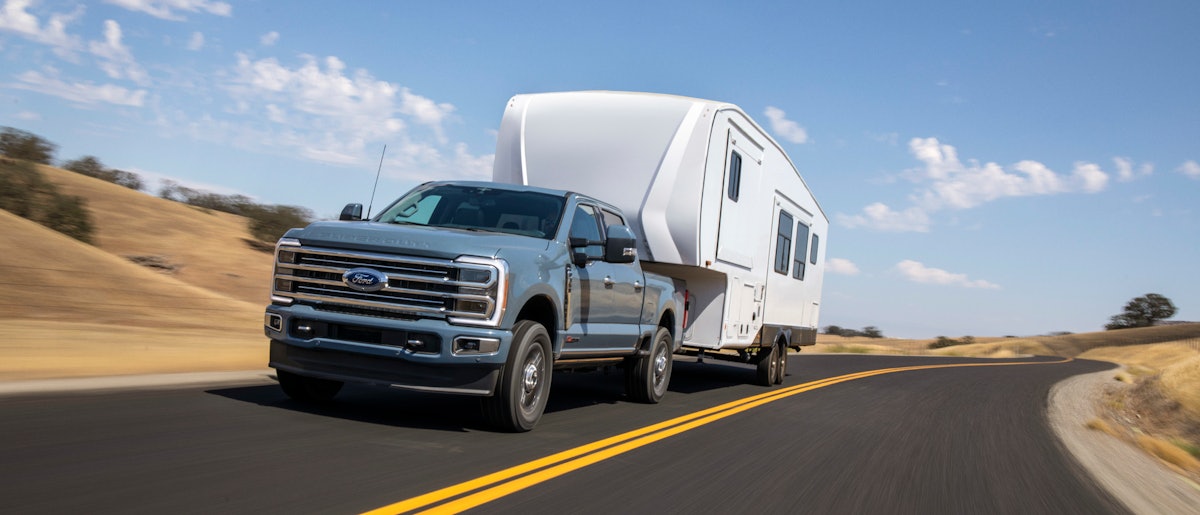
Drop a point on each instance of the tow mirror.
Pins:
(352, 213)
(621, 245)
(578, 257)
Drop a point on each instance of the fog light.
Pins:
(467, 345)
(304, 330)
(273, 322)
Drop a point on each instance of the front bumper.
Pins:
(370, 350)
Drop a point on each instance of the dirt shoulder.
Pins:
(1142, 483)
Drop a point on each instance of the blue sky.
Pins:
(989, 169)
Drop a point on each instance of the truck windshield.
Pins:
(478, 208)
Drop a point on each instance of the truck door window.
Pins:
(783, 242)
(735, 176)
(610, 219)
(801, 251)
(586, 225)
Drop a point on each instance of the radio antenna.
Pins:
(380, 169)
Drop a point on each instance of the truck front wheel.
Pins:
(308, 389)
(524, 386)
(647, 377)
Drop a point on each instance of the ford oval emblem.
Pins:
(365, 279)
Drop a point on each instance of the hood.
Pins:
(414, 240)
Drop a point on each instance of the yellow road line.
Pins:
(523, 476)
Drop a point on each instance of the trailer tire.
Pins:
(308, 389)
(524, 386)
(647, 377)
(781, 352)
(767, 366)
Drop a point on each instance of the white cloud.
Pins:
(880, 217)
(83, 92)
(15, 18)
(116, 59)
(1190, 169)
(949, 183)
(324, 111)
(169, 9)
(269, 39)
(786, 129)
(1126, 171)
(1090, 178)
(841, 266)
(426, 111)
(196, 42)
(919, 273)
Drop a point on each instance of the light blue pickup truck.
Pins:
(471, 288)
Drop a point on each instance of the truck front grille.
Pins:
(466, 290)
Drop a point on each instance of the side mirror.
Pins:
(352, 213)
(578, 257)
(621, 245)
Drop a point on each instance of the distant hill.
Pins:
(207, 249)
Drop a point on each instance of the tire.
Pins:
(308, 389)
(767, 367)
(781, 367)
(524, 386)
(647, 377)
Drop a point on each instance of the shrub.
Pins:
(25, 193)
(27, 146)
(92, 167)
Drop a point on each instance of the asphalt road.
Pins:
(943, 440)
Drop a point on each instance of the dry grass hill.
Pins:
(72, 309)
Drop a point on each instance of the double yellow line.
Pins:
(499, 484)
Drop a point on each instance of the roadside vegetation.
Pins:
(19, 175)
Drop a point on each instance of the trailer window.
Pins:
(801, 241)
(735, 176)
(783, 242)
(813, 257)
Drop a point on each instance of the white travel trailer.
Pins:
(716, 202)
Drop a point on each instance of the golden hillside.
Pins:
(208, 249)
(72, 309)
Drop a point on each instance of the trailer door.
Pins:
(737, 240)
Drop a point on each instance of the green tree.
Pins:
(1143, 311)
(87, 165)
(19, 144)
(69, 215)
(268, 223)
(872, 332)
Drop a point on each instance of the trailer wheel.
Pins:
(781, 351)
(308, 389)
(647, 377)
(767, 366)
(524, 386)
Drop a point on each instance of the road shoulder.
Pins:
(1141, 483)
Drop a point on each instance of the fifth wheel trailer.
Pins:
(715, 201)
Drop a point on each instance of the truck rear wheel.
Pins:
(308, 389)
(647, 377)
(520, 397)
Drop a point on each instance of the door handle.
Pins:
(637, 286)
(608, 282)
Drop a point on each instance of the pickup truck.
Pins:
(471, 288)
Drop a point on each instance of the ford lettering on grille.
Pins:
(365, 279)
